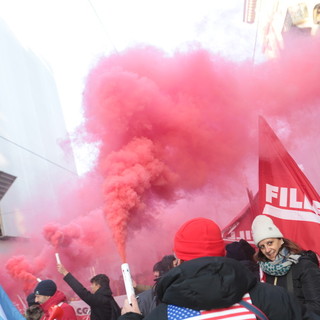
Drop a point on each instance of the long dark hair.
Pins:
(290, 245)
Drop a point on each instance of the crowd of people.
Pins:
(203, 278)
(277, 281)
(49, 303)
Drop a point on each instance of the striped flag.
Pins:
(235, 312)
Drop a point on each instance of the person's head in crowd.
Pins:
(198, 237)
(31, 299)
(163, 266)
(34, 312)
(269, 239)
(44, 290)
(240, 250)
(99, 281)
(243, 252)
(156, 269)
(167, 263)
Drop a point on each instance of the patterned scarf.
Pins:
(281, 265)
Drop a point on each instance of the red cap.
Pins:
(198, 237)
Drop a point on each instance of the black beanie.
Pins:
(45, 288)
(241, 250)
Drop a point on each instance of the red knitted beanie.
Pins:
(199, 237)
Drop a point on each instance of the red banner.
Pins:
(240, 226)
(285, 193)
(81, 308)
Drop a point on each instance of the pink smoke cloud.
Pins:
(198, 113)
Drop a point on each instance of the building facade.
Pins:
(276, 19)
(32, 133)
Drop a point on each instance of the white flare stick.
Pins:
(39, 280)
(58, 258)
(127, 281)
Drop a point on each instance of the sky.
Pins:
(70, 36)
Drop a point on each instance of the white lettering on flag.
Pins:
(289, 214)
(271, 192)
(288, 199)
(294, 203)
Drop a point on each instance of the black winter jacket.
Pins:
(304, 281)
(217, 282)
(102, 304)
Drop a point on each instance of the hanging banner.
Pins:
(240, 226)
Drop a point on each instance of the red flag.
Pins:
(56, 312)
(240, 226)
(285, 193)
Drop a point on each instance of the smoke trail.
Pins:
(60, 235)
(22, 271)
(133, 171)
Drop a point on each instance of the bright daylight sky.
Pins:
(71, 34)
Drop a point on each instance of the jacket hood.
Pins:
(206, 283)
(55, 299)
(310, 255)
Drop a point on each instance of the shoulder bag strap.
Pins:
(260, 315)
(290, 282)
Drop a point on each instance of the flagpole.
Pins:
(253, 210)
